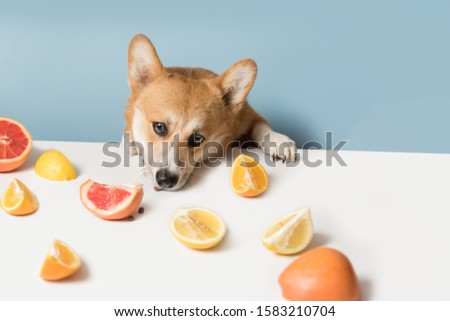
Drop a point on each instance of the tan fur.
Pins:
(187, 100)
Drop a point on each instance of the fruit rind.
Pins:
(320, 274)
(53, 165)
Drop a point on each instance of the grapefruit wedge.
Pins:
(111, 201)
(15, 144)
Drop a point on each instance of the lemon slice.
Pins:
(197, 228)
(61, 262)
(290, 234)
(55, 166)
(18, 199)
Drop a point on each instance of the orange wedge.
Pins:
(248, 177)
(18, 199)
(61, 262)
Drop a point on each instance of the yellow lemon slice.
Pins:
(248, 177)
(18, 199)
(61, 262)
(290, 234)
(197, 228)
(55, 166)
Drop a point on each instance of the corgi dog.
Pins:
(173, 113)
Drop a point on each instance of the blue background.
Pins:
(375, 73)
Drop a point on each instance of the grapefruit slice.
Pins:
(15, 144)
(111, 201)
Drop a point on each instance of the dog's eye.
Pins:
(160, 129)
(195, 140)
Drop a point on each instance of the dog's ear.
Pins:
(143, 62)
(236, 82)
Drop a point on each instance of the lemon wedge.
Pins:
(290, 234)
(197, 228)
(55, 166)
(18, 199)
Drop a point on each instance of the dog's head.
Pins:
(180, 115)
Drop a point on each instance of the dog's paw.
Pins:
(279, 146)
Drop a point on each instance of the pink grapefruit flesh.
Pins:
(111, 201)
(15, 144)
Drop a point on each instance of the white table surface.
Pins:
(388, 212)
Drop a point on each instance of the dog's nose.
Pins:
(166, 179)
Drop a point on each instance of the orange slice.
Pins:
(111, 201)
(61, 262)
(15, 144)
(248, 177)
(18, 199)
